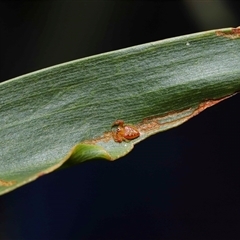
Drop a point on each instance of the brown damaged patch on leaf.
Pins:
(6, 183)
(106, 137)
(202, 106)
(208, 104)
(154, 123)
(165, 122)
(232, 34)
(149, 124)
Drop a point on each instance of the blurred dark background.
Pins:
(180, 184)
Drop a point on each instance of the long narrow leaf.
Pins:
(62, 115)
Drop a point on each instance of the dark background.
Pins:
(180, 184)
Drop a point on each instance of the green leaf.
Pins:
(62, 115)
